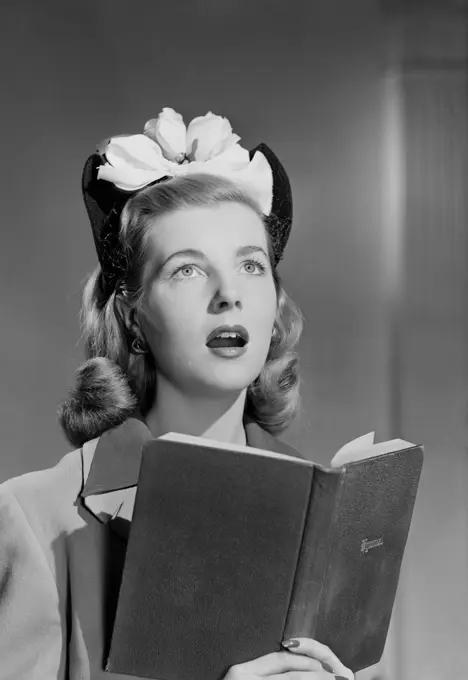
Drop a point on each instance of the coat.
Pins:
(63, 534)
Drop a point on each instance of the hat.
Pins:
(126, 164)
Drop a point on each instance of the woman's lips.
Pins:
(229, 352)
(240, 333)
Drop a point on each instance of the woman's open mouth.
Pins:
(228, 341)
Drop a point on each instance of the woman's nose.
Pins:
(226, 297)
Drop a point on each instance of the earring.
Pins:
(137, 346)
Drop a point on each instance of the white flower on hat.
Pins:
(209, 136)
(169, 149)
(169, 131)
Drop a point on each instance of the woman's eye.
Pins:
(187, 271)
(254, 266)
(190, 271)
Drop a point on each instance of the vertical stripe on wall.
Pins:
(430, 342)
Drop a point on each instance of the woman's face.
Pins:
(208, 267)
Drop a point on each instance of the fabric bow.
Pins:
(167, 148)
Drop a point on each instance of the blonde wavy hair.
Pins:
(115, 382)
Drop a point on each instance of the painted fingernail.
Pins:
(339, 677)
(290, 643)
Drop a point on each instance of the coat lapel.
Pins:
(111, 465)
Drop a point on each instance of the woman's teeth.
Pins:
(227, 339)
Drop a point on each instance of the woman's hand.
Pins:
(305, 659)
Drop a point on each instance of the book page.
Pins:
(362, 443)
(357, 449)
(228, 446)
(364, 447)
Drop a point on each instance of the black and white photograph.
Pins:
(234, 376)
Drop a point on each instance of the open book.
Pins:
(233, 549)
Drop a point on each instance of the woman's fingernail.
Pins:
(340, 677)
(290, 643)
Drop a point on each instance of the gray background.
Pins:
(377, 264)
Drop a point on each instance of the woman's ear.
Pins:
(127, 315)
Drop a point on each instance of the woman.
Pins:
(187, 329)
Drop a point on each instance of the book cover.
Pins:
(353, 544)
(230, 552)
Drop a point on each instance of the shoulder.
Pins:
(46, 498)
(261, 438)
(288, 450)
(43, 485)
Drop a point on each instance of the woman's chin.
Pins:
(225, 387)
(227, 380)
(241, 371)
(215, 375)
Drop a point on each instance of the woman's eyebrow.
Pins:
(191, 252)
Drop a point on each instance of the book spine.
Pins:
(314, 554)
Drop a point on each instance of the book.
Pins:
(233, 549)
